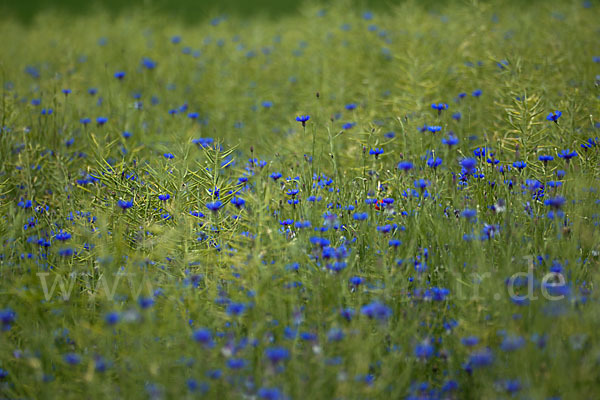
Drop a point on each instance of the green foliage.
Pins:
(164, 265)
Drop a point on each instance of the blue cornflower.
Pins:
(270, 393)
(360, 216)
(519, 165)
(405, 165)
(235, 309)
(424, 350)
(434, 162)
(169, 156)
(303, 119)
(120, 75)
(511, 343)
(145, 302)
(450, 141)
(567, 154)
(112, 318)
(469, 213)
(148, 63)
(125, 204)
(555, 202)
(421, 184)
(238, 202)
(66, 252)
(72, 358)
(193, 115)
(394, 243)
(468, 164)
(66, 91)
(376, 152)
(335, 335)
(470, 341)
(277, 354)
(236, 363)
(434, 129)
(481, 358)
(7, 317)
(348, 125)
(356, 280)
(203, 336)
(62, 236)
(376, 310)
(214, 206)
(477, 93)
(439, 107)
(101, 121)
(350, 106)
(347, 313)
(545, 158)
(554, 116)
(85, 121)
(164, 197)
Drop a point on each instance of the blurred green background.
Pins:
(189, 10)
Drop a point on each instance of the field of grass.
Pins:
(331, 204)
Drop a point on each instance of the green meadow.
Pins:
(331, 202)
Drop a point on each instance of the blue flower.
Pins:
(376, 310)
(421, 184)
(72, 358)
(360, 216)
(545, 158)
(468, 164)
(511, 343)
(236, 363)
(376, 152)
(120, 75)
(125, 204)
(450, 141)
(203, 336)
(62, 236)
(424, 350)
(405, 165)
(554, 116)
(477, 93)
(235, 309)
(439, 107)
(101, 121)
(112, 318)
(555, 202)
(519, 165)
(481, 358)
(350, 106)
(303, 119)
(567, 154)
(277, 354)
(434, 162)
(470, 341)
(145, 302)
(164, 197)
(7, 317)
(269, 393)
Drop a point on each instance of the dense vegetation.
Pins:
(333, 204)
